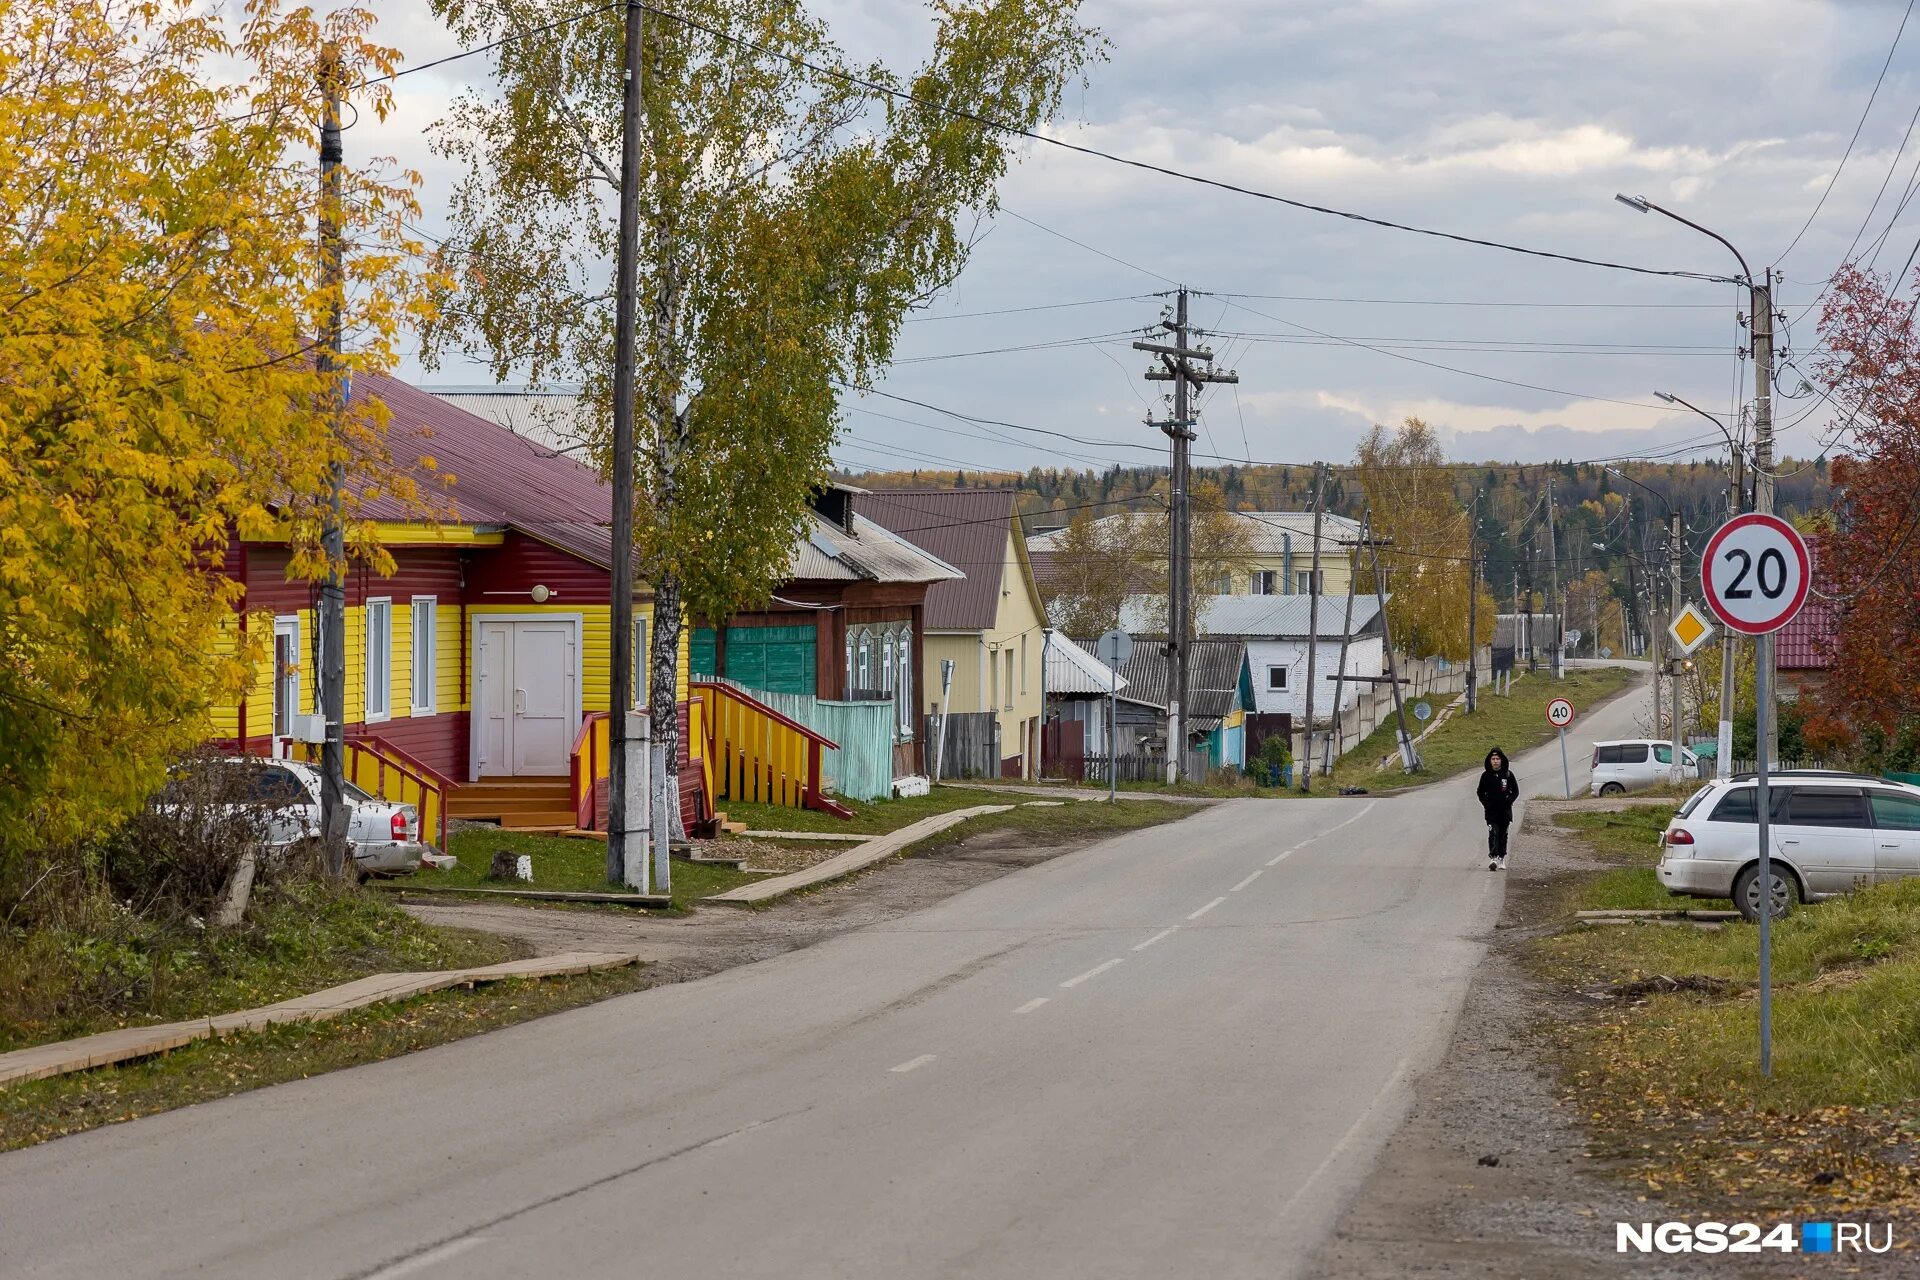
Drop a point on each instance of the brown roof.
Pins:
(1806, 642)
(967, 528)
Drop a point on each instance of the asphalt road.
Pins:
(1176, 1053)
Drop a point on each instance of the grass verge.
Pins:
(1075, 820)
(1516, 722)
(1666, 1074)
(875, 817)
(566, 863)
(1631, 839)
(45, 1109)
(301, 936)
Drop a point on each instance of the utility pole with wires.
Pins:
(330, 635)
(1177, 366)
(1559, 608)
(1677, 554)
(1723, 750)
(1409, 757)
(1761, 305)
(1338, 734)
(627, 860)
(1473, 600)
(1313, 620)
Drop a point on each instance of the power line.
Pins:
(901, 95)
(1443, 302)
(1864, 113)
(1014, 311)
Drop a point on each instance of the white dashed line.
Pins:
(1210, 906)
(1031, 1005)
(1285, 854)
(421, 1261)
(1249, 880)
(914, 1064)
(1142, 946)
(1094, 972)
(1274, 862)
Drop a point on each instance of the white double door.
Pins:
(528, 696)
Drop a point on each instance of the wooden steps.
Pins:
(517, 804)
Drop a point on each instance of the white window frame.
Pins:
(423, 658)
(1313, 586)
(286, 685)
(1009, 702)
(383, 607)
(1023, 664)
(903, 696)
(1262, 582)
(1282, 671)
(641, 664)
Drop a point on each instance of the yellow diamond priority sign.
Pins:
(1690, 628)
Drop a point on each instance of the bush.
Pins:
(1275, 754)
(176, 856)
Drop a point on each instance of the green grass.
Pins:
(566, 863)
(301, 936)
(1073, 820)
(875, 817)
(1516, 723)
(44, 1109)
(1630, 838)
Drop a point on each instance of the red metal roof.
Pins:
(1805, 644)
(967, 528)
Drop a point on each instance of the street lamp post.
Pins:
(1760, 331)
(1723, 754)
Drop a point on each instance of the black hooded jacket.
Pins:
(1497, 791)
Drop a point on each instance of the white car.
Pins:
(384, 836)
(1831, 832)
(1633, 763)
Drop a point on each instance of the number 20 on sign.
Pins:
(1755, 573)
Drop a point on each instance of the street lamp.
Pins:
(1760, 330)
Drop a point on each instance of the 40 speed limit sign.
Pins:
(1755, 573)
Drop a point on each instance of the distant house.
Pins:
(1281, 560)
(990, 624)
(1803, 649)
(1079, 687)
(1274, 633)
(554, 419)
(1214, 718)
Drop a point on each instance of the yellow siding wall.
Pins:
(980, 660)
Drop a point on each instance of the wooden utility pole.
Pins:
(1313, 620)
(1473, 600)
(622, 857)
(1760, 302)
(330, 635)
(1409, 757)
(1178, 368)
(1559, 609)
(1346, 636)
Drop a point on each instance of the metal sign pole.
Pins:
(1566, 777)
(1113, 725)
(1763, 718)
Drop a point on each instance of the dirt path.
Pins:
(715, 938)
(1435, 1206)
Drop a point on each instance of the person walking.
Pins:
(1497, 791)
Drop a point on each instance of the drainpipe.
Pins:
(1286, 562)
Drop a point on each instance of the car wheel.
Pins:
(1613, 789)
(1746, 891)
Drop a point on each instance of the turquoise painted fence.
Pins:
(862, 766)
(1911, 779)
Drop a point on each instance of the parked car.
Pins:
(1633, 763)
(1831, 832)
(383, 836)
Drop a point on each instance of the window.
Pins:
(1663, 753)
(903, 696)
(423, 655)
(1895, 812)
(379, 614)
(1223, 585)
(1306, 584)
(1276, 679)
(641, 663)
(1023, 666)
(865, 683)
(1633, 753)
(1826, 807)
(286, 674)
(1265, 582)
(276, 788)
(1736, 806)
(1009, 702)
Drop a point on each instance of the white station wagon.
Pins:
(1831, 831)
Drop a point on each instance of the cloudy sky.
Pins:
(1505, 119)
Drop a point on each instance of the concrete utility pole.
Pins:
(1761, 308)
(1340, 672)
(1473, 598)
(1676, 553)
(330, 633)
(626, 864)
(1313, 620)
(1178, 368)
(1559, 609)
(1409, 757)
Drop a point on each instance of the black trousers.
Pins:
(1497, 839)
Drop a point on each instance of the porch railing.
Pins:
(380, 768)
(758, 756)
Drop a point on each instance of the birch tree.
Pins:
(795, 206)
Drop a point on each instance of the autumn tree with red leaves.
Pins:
(1869, 562)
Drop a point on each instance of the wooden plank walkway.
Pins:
(855, 859)
(127, 1043)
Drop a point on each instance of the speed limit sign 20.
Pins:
(1755, 573)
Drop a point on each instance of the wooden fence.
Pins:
(972, 747)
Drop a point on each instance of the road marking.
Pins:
(1031, 1005)
(914, 1064)
(1210, 906)
(1347, 1138)
(1244, 883)
(1142, 946)
(1287, 853)
(421, 1261)
(1094, 972)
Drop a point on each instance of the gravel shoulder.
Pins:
(1490, 1174)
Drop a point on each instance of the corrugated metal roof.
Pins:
(1071, 669)
(1256, 617)
(1806, 643)
(966, 528)
(555, 419)
(870, 553)
(1270, 532)
(1213, 678)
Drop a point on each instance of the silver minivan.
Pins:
(1633, 763)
